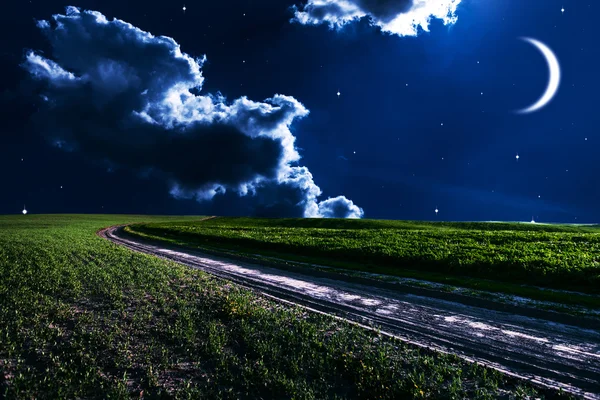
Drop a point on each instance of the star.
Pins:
(517, 157)
(338, 93)
(436, 211)
(562, 10)
(61, 186)
(482, 93)
(354, 152)
(184, 8)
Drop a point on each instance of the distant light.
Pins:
(24, 211)
(436, 210)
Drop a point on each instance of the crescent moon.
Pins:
(554, 80)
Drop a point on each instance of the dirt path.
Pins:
(545, 352)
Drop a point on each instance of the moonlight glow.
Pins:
(554, 80)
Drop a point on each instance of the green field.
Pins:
(81, 317)
(502, 257)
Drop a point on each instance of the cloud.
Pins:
(128, 99)
(399, 17)
(339, 207)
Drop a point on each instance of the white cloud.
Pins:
(42, 68)
(398, 17)
(339, 207)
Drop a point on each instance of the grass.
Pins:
(514, 258)
(81, 317)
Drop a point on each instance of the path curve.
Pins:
(544, 352)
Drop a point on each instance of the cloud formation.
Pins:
(126, 98)
(399, 17)
(339, 207)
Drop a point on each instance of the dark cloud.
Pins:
(400, 17)
(384, 10)
(128, 99)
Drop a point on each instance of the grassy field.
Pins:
(488, 256)
(81, 317)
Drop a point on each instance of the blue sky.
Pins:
(410, 131)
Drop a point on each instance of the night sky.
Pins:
(332, 108)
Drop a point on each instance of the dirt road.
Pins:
(546, 352)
